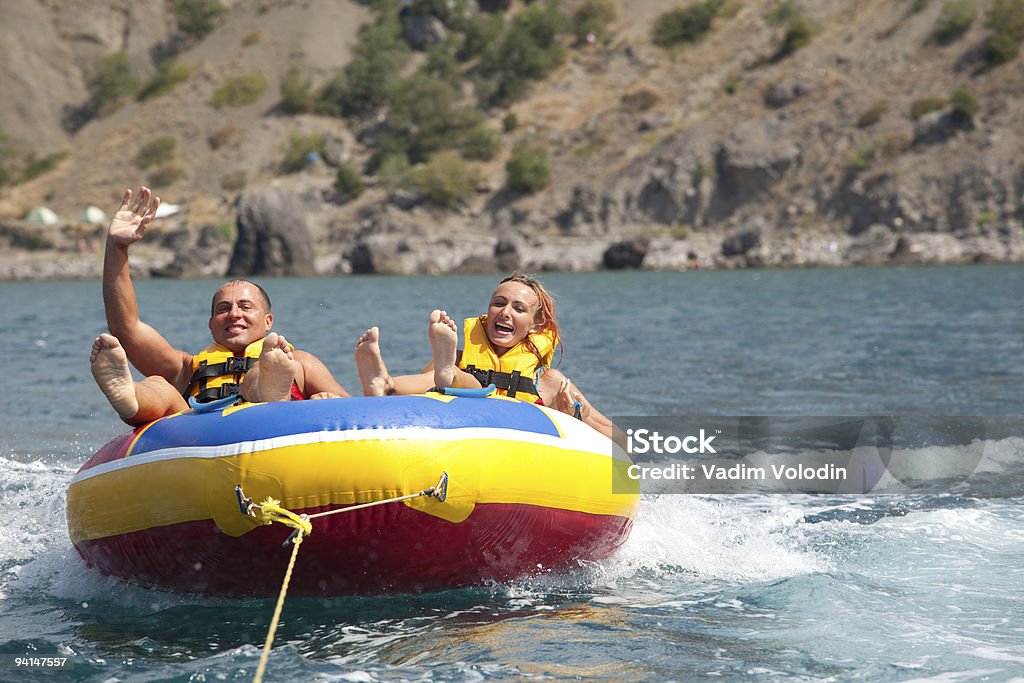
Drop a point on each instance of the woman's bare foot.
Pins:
(444, 342)
(372, 372)
(109, 365)
(272, 376)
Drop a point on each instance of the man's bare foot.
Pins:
(274, 374)
(109, 365)
(444, 341)
(372, 372)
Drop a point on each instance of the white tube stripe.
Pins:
(596, 446)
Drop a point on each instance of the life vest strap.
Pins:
(511, 382)
(231, 366)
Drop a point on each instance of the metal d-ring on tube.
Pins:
(439, 491)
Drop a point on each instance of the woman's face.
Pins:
(510, 315)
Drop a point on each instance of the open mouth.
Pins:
(504, 329)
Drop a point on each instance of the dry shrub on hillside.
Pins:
(1006, 19)
(954, 20)
(300, 147)
(639, 100)
(240, 91)
(926, 105)
(965, 106)
(685, 24)
(37, 166)
(197, 17)
(445, 180)
(872, 114)
(221, 136)
(591, 18)
(167, 76)
(234, 181)
(111, 80)
(798, 34)
(166, 175)
(798, 29)
(348, 181)
(297, 95)
(528, 168)
(157, 151)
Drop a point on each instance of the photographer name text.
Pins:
(737, 472)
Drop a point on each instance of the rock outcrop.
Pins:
(752, 160)
(273, 235)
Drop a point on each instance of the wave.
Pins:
(696, 539)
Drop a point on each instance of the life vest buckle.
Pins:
(237, 365)
(513, 384)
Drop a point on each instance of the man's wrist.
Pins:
(111, 245)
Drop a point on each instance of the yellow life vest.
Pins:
(514, 372)
(217, 372)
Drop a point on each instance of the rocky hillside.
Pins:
(792, 133)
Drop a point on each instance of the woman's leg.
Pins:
(441, 372)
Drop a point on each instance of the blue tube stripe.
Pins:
(282, 419)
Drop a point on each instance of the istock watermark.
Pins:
(642, 441)
(818, 454)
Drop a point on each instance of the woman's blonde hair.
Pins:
(545, 316)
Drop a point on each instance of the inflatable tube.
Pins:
(530, 490)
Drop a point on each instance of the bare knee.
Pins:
(464, 380)
(157, 398)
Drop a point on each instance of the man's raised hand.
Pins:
(132, 217)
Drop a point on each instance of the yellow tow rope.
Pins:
(270, 511)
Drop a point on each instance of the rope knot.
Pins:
(270, 511)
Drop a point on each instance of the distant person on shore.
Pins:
(245, 358)
(512, 347)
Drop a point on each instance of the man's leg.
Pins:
(135, 402)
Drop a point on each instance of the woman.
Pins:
(511, 346)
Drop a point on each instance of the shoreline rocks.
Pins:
(199, 253)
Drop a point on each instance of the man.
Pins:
(246, 357)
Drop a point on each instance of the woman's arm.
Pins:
(560, 393)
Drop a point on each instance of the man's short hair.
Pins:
(263, 293)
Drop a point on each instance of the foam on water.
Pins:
(727, 538)
(732, 538)
(36, 555)
(33, 501)
(880, 569)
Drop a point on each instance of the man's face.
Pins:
(239, 316)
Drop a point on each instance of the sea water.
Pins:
(923, 584)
